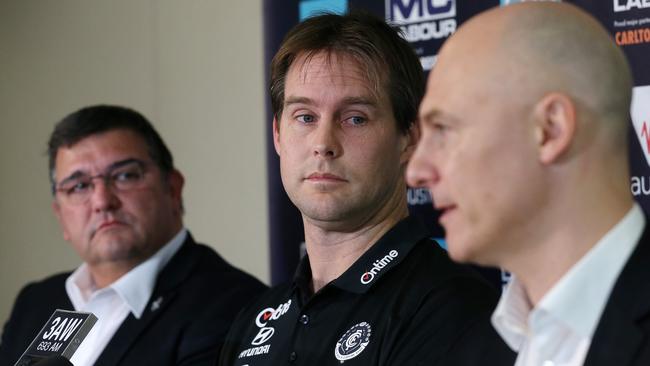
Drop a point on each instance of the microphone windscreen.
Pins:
(54, 361)
(60, 336)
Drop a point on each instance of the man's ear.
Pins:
(555, 126)
(276, 135)
(176, 182)
(56, 208)
(411, 138)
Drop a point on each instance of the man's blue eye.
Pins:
(356, 120)
(306, 118)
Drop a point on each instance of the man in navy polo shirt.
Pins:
(373, 289)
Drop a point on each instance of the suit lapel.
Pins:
(618, 336)
(164, 294)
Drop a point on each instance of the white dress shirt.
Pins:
(112, 304)
(558, 331)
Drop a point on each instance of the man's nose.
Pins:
(421, 170)
(103, 197)
(326, 140)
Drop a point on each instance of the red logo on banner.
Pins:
(646, 135)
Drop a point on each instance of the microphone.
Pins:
(54, 361)
(59, 338)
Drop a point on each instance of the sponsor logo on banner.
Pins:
(418, 196)
(265, 333)
(631, 28)
(509, 2)
(353, 342)
(377, 266)
(626, 5)
(422, 21)
(640, 112)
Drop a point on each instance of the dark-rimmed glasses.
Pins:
(122, 176)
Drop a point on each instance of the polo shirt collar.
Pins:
(378, 260)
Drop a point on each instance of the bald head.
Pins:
(523, 127)
(531, 49)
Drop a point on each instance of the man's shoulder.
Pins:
(272, 297)
(428, 268)
(32, 307)
(625, 322)
(276, 297)
(51, 285)
(201, 281)
(208, 268)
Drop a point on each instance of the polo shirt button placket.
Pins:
(304, 319)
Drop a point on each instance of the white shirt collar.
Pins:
(135, 287)
(578, 299)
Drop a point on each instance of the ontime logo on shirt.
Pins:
(377, 266)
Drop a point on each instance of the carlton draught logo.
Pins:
(377, 266)
(640, 112)
(423, 20)
(625, 5)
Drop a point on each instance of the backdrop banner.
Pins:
(426, 24)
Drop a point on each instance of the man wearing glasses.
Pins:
(160, 297)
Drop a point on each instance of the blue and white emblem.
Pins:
(353, 342)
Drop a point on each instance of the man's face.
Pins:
(114, 225)
(477, 156)
(341, 155)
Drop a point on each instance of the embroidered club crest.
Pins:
(353, 342)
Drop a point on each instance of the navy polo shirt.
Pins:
(403, 302)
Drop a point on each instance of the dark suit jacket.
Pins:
(198, 296)
(622, 337)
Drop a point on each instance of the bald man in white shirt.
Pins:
(524, 149)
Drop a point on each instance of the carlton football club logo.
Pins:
(353, 342)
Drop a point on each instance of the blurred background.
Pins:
(194, 68)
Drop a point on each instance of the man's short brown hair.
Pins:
(391, 64)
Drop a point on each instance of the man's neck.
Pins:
(105, 274)
(332, 252)
(541, 265)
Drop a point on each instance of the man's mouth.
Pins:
(324, 178)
